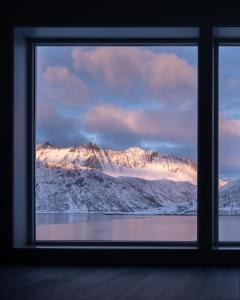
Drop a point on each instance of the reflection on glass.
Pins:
(116, 143)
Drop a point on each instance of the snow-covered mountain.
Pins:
(89, 179)
(132, 162)
(76, 189)
(229, 198)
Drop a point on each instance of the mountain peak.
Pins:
(135, 149)
(45, 146)
(91, 145)
(131, 162)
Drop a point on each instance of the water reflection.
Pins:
(115, 227)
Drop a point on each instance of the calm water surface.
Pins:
(128, 227)
(115, 227)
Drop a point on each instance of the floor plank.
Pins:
(222, 284)
(152, 285)
(118, 283)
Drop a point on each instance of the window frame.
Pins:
(206, 210)
(218, 42)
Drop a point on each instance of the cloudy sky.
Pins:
(120, 97)
(229, 106)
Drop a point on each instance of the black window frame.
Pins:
(207, 158)
(218, 42)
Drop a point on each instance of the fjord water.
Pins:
(56, 226)
(115, 227)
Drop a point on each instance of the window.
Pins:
(229, 162)
(133, 148)
(116, 141)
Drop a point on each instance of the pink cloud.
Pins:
(61, 85)
(229, 143)
(231, 127)
(56, 74)
(169, 70)
(171, 126)
(229, 146)
(163, 74)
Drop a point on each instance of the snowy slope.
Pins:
(88, 178)
(132, 162)
(73, 189)
(229, 198)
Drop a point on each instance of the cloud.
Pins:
(229, 127)
(59, 85)
(55, 128)
(143, 123)
(118, 96)
(229, 144)
(130, 69)
(229, 158)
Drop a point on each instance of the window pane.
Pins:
(116, 143)
(229, 143)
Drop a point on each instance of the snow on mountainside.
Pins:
(89, 179)
(229, 198)
(133, 162)
(76, 190)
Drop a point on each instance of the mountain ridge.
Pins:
(90, 179)
(131, 162)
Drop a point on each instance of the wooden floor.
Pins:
(105, 283)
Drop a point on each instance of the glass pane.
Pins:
(116, 143)
(229, 143)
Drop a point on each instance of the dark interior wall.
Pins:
(118, 13)
(82, 13)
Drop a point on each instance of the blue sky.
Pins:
(118, 97)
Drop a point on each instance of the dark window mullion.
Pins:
(205, 138)
(216, 145)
